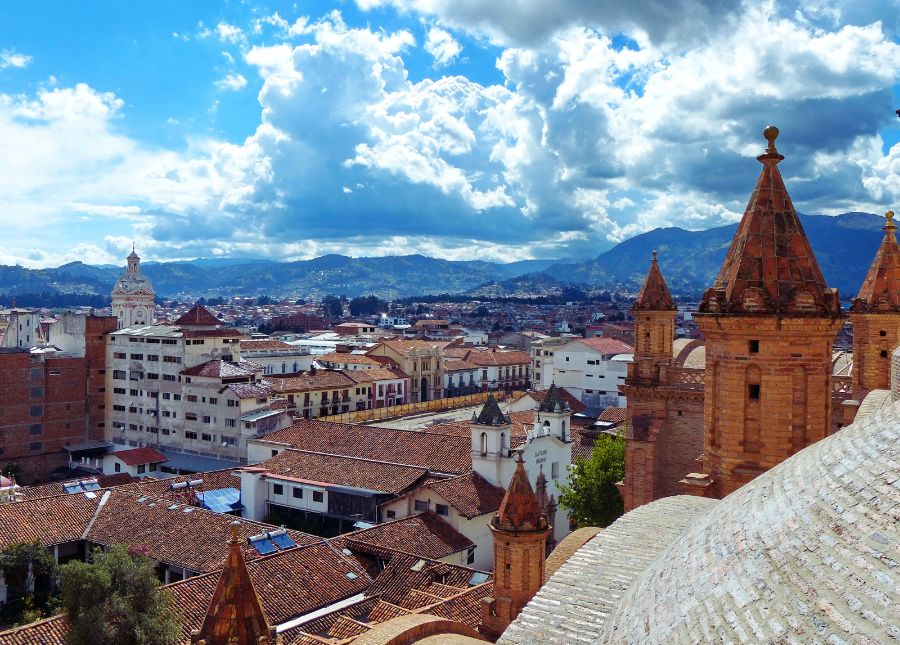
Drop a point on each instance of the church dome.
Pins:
(133, 280)
(806, 552)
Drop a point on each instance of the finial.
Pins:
(234, 532)
(890, 221)
(653, 253)
(519, 458)
(771, 133)
(132, 246)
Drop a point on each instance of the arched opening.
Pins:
(502, 444)
(562, 435)
(423, 390)
(484, 444)
(546, 427)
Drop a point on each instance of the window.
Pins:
(213, 400)
(35, 428)
(152, 375)
(277, 489)
(118, 467)
(137, 357)
(391, 515)
(192, 398)
(206, 437)
(483, 444)
(470, 556)
(421, 505)
(119, 375)
(119, 408)
(207, 419)
(176, 397)
(442, 509)
(232, 403)
(190, 416)
(318, 496)
(884, 353)
(230, 423)
(168, 377)
(133, 392)
(882, 333)
(753, 347)
(37, 410)
(120, 355)
(171, 359)
(190, 435)
(554, 470)
(169, 341)
(153, 357)
(142, 469)
(297, 493)
(119, 390)
(753, 391)
(231, 441)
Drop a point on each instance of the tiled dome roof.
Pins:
(807, 552)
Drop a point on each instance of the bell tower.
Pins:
(875, 314)
(520, 533)
(769, 322)
(490, 431)
(654, 334)
(133, 298)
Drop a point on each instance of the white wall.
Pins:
(591, 383)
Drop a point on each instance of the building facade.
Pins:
(133, 298)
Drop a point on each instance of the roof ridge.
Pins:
(366, 459)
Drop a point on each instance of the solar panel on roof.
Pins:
(222, 500)
(90, 485)
(283, 541)
(477, 578)
(264, 547)
(71, 488)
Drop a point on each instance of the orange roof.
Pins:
(346, 358)
(654, 294)
(235, 615)
(607, 345)
(880, 290)
(575, 405)
(487, 358)
(198, 316)
(424, 534)
(138, 456)
(613, 414)
(770, 266)
(519, 510)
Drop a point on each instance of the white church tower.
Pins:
(133, 296)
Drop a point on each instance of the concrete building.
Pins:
(592, 369)
(133, 296)
(542, 354)
(276, 357)
(19, 328)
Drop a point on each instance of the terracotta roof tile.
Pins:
(425, 449)
(458, 365)
(262, 345)
(607, 346)
(519, 510)
(354, 472)
(406, 346)
(470, 494)
(425, 534)
(613, 414)
(49, 631)
(488, 358)
(310, 381)
(220, 369)
(198, 316)
(770, 266)
(51, 520)
(137, 456)
(346, 358)
(376, 374)
(575, 405)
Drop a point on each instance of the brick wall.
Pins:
(98, 399)
(874, 338)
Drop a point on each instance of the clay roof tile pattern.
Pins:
(198, 316)
(221, 369)
(487, 358)
(574, 404)
(770, 266)
(138, 456)
(608, 346)
(49, 631)
(654, 294)
(880, 290)
(519, 510)
(424, 534)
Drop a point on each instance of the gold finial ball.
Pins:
(771, 133)
(890, 219)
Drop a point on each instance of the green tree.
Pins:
(333, 306)
(367, 305)
(29, 571)
(591, 495)
(116, 600)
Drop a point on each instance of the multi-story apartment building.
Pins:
(501, 370)
(422, 360)
(542, 351)
(184, 388)
(320, 393)
(276, 357)
(592, 369)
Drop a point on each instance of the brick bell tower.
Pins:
(769, 322)
(875, 314)
(520, 533)
(654, 333)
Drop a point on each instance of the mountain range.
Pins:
(844, 246)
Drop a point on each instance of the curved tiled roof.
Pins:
(806, 552)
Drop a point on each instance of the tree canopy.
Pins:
(29, 572)
(116, 600)
(367, 306)
(591, 495)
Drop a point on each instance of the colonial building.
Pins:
(421, 360)
(133, 296)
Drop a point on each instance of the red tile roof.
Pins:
(489, 358)
(613, 414)
(439, 453)
(880, 290)
(470, 494)
(324, 470)
(405, 346)
(345, 358)
(654, 294)
(458, 365)
(607, 346)
(49, 631)
(377, 374)
(519, 510)
(575, 405)
(262, 345)
(138, 456)
(198, 316)
(425, 534)
(309, 381)
(221, 369)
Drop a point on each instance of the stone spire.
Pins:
(654, 294)
(770, 266)
(491, 414)
(554, 401)
(235, 615)
(880, 291)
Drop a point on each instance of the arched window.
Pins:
(484, 444)
(546, 427)
(563, 433)
(503, 444)
(283, 368)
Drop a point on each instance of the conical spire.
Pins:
(654, 295)
(519, 510)
(491, 414)
(770, 267)
(880, 290)
(553, 401)
(235, 615)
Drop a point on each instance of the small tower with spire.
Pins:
(235, 615)
(654, 336)
(769, 321)
(875, 314)
(553, 415)
(490, 431)
(520, 531)
(133, 298)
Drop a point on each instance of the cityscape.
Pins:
(403, 322)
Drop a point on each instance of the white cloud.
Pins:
(229, 33)
(442, 47)
(11, 58)
(232, 81)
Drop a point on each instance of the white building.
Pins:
(275, 356)
(19, 328)
(592, 370)
(133, 298)
(542, 352)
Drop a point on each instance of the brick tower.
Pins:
(875, 314)
(654, 333)
(769, 322)
(235, 615)
(520, 533)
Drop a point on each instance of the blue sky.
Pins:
(453, 128)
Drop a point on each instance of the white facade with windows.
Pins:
(590, 375)
(133, 298)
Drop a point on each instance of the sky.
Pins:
(459, 129)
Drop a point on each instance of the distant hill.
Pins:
(844, 246)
